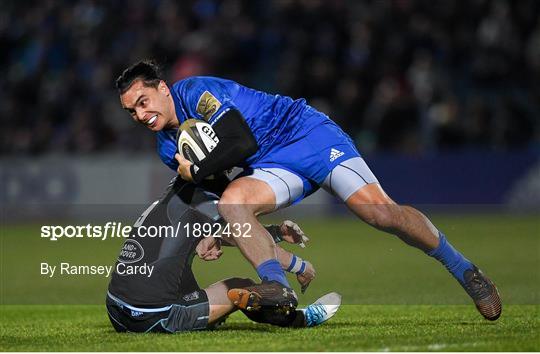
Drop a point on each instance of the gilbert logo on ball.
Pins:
(195, 140)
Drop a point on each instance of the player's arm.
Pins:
(304, 270)
(236, 144)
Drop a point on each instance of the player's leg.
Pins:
(260, 191)
(353, 181)
(315, 314)
(195, 310)
(375, 207)
(242, 201)
(291, 263)
(219, 304)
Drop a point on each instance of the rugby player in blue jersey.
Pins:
(287, 150)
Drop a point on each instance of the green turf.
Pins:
(355, 328)
(395, 297)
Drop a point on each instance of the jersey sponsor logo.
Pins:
(335, 153)
(131, 252)
(191, 296)
(208, 105)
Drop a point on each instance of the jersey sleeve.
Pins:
(206, 98)
(166, 145)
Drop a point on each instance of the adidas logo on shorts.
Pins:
(334, 154)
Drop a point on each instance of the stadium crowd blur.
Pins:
(409, 76)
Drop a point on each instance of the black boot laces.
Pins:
(478, 286)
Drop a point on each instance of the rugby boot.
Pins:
(322, 309)
(483, 292)
(266, 295)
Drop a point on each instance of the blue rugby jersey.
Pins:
(274, 119)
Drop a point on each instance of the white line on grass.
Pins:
(437, 346)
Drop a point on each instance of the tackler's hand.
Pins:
(209, 248)
(292, 233)
(306, 277)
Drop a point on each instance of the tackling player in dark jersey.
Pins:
(168, 298)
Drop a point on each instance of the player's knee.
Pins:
(227, 209)
(371, 194)
(234, 201)
(236, 282)
(233, 195)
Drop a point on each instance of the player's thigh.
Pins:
(274, 187)
(347, 178)
(246, 193)
(357, 186)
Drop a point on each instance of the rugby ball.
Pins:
(195, 140)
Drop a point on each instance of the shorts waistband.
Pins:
(139, 309)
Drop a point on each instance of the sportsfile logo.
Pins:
(334, 154)
(132, 249)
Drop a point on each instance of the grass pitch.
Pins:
(394, 297)
(354, 328)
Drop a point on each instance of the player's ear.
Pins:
(163, 88)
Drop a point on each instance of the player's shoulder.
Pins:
(204, 96)
(192, 83)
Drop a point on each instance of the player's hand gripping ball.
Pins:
(195, 140)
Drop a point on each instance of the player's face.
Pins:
(150, 106)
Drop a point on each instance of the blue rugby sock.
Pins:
(454, 261)
(271, 270)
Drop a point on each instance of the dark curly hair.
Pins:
(146, 70)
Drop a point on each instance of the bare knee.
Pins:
(232, 283)
(232, 200)
(240, 199)
(234, 194)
